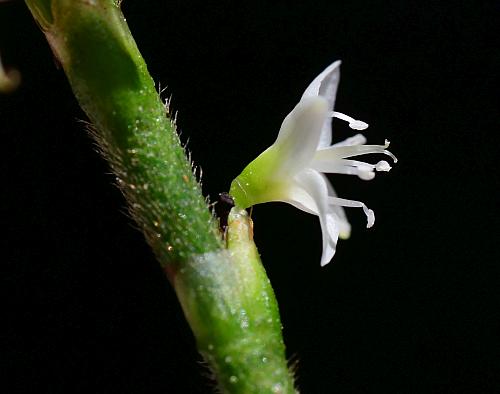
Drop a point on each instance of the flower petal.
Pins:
(325, 85)
(299, 136)
(310, 193)
(338, 212)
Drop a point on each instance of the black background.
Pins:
(409, 306)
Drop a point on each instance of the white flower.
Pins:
(291, 169)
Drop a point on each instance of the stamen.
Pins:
(365, 170)
(382, 166)
(386, 145)
(370, 215)
(353, 123)
(358, 139)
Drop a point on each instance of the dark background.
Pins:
(409, 306)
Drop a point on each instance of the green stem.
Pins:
(224, 293)
(236, 295)
(110, 80)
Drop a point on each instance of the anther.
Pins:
(353, 123)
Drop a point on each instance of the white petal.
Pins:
(299, 135)
(325, 85)
(303, 201)
(311, 193)
(325, 138)
(338, 212)
(370, 215)
(333, 231)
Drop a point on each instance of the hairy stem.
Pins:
(224, 292)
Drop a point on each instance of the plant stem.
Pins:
(224, 293)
